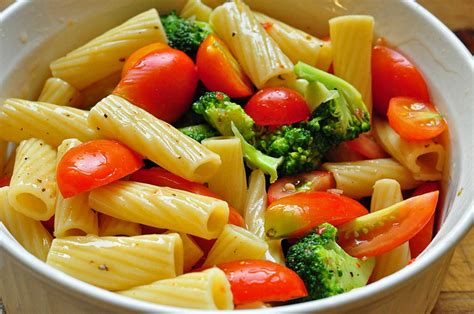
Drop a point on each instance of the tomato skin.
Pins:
(94, 164)
(421, 240)
(394, 75)
(304, 182)
(162, 83)
(414, 120)
(219, 71)
(294, 216)
(366, 146)
(4, 181)
(139, 54)
(277, 106)
(49, 225)
(257, 280)
(364, 236)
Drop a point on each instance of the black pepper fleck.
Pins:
(43, 190)
(233, 34)
(103, 267)
(122, 59)
(105, 115)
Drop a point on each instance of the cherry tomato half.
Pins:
(415, 120)
(303, 182)
(219, 71)
(265, 281)
(277, 106)
(139, 54)
(366, 146)
(295, 215)
(394, 75)
(382, 231)
(93, 164)
(162, 83)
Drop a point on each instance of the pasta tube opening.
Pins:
(28, 200)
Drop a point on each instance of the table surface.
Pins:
(457, 292)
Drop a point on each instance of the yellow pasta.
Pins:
(23, 119)
(3, 155)
(296, 44)
(107, 53)
(357, 178)
(192, 252)
(235, 244)
(256, 203)
(230, 180)
(386, 193)
(425, 159)
(110, 226)
(208, 290)
(7, 170)
(213, 3)
(61, 93)
(73, 215)
(154, 139)
(197, 10)
(99, 90)
(31, 234)
(33, 185)
(351, 40)
(118, 263)
(256, 51)
(161, 207)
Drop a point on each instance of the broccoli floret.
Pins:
(199, 132)
(185, 34)
(219, 111)
(324, 266)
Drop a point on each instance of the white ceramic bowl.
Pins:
(32, 33)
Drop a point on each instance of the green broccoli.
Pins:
(185, 34)
(324, 266)
(199, 132)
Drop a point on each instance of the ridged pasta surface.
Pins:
(61, 93)
(110, 226)
(197, 10)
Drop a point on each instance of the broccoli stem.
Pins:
(258, 159)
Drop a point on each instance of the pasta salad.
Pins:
(221, 159)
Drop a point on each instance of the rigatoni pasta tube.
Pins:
(7, 170)
(107, 53)
(161, 207)
(197, 10)
(386, 193)
(208, 290)
(99, 90)
(230, 180)
(351, 40)
(296, 44)
(256, 51)
(192, 252)
(425, 159)
(235, 244)
(61, 93)
(256, 203)
(357, 178)
(110, 226)
(73, 216)
(23, 119)
(33, 185)
(154, 139)
(30, 233)
(3, 155)
(118, 263)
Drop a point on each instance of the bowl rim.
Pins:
(89, 292)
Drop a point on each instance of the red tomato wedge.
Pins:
(139, 54)
(394, 75)
(366, 146)
(255, 280)
(295, 215)
(303, 182)
(4, 181)
(161, 177)
(414, 120)
(421, 240)
(93, 164)
(382, 231)
(219, 71)
(162, 82)
(277, 106)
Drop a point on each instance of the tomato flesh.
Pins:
(277, 106)
(4, 181)
(265, 281)
(219, 71)
(366, 146)
(94, 164)
(162, 83)
(295, 215)
(415, 120)
(305, 182)
(139, 54)
(382, 231)
(394, 75)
